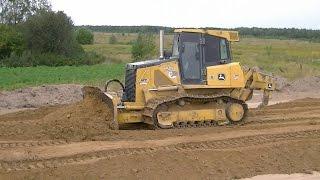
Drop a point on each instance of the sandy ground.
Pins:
(273, 140)
(35, 97)
(297, 176)
(289, 91)
(60, 141)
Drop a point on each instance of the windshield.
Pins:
(223, 50)
(175, 49)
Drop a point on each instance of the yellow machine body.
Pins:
(156, 93)
(163, 81)
(234, 76)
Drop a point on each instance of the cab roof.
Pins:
(232, 36)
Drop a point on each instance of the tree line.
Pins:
(282, 33)
(128, 29)
(278, 33)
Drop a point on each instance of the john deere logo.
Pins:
(221, 77)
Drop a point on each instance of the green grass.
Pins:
(13, 78)
(288, 58)
(120, 52)
(103, 38)
(111, 52)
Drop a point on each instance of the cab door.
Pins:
(190, 58)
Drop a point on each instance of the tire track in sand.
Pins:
(22, 158)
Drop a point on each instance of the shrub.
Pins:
(11, 41)
(113, 39)
(84, 36)
(144, 47)
(48, 59)
(49, 32)
(50, 41)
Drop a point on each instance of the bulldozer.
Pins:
(196, 85)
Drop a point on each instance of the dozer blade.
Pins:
(107, 99)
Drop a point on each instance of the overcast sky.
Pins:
(194, 13)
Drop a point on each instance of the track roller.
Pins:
(236, 112)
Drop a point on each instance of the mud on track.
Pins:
(283, 138)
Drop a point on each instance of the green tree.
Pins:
(51, 32)
(17, 11)
(113, 39)
(143, 47)
(84, 36)
(11, 41)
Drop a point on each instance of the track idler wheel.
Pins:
(235, 112)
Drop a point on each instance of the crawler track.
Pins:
(154, 107)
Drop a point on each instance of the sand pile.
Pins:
(88, 119)
(34, 97)
(305, 84)
(281, 82)
(80, 121)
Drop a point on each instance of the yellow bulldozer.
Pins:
(196, 85)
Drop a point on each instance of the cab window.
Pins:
(223, 49)
(175, 47)
(216, 51)
(211, 50)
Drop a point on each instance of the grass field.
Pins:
(114, 53)
(288, 58)
(13, 78)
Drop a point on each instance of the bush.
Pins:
(113, 39)
(84, 36)
(48, 59)
(11, 41)
(144, 47)
(49, 32)
(50, 41)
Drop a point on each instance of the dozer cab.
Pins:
(198, 85)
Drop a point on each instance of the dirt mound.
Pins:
(305, 84)
(83, 120)
(281, 82)
(34, 97)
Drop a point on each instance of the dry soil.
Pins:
(74, 141)
(283, 138)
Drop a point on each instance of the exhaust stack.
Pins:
(161, 44)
